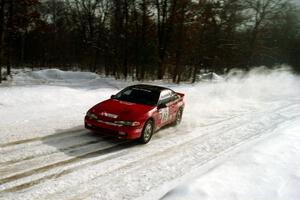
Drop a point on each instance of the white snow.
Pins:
(269, 169)
(238, 140)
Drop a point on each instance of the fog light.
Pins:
(89, 125)
(122, 133)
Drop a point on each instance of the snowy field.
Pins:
(239, 139)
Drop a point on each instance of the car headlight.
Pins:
(128, 123)
(91, 115)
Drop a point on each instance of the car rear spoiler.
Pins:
(180, 94)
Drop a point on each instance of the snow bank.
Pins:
(53, 76)
(210, 77)
(268, 170)
(43, 102)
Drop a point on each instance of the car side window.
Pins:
(174, 96)
(127, 92)
(165, 97)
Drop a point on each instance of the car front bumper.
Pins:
(121, 132)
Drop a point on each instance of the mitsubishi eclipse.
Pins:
(136, 112)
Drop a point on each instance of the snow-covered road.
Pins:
(39, 160)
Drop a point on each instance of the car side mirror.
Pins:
(162, 105)
(113, 96)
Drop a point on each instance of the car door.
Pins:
(173, 106)
(164, 107)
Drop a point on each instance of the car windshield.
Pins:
(138, 95)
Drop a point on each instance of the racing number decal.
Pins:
(164, 114)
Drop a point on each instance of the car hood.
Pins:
(113, 109)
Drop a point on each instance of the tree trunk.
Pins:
(1, 35)
(10, 25)
(125, 50)
(143, 40)
(195, 72)
(179, 46)
(23, 37)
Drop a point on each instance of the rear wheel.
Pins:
(178, 116)
(147, 132)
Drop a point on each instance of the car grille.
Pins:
(108, 123)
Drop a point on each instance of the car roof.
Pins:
(150, 87)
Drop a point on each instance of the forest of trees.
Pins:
(149, 39)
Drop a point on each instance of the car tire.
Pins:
(147, 132)
(178, 116)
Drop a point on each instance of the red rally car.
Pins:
(136, 112)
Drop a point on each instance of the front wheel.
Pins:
(147, 132)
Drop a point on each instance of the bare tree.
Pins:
(179, 36)
(261, 12)
(165, 12)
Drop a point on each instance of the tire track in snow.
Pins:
(203, 150)
(39, 150)
(98, 153)
(164, 152)
(31, 183)
(52, 136)
(211, 124)
(107, 148)
(38, 162)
